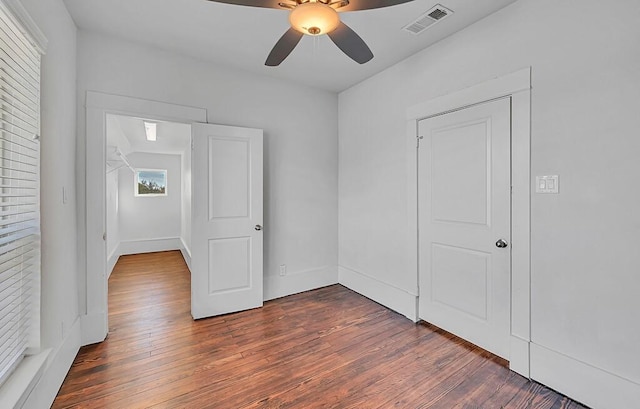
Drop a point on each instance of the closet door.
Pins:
(464, 214)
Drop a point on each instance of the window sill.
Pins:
(15, 391)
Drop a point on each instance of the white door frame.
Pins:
(94, 322)
(517, 86)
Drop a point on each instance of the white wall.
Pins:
(59, 301)
(113, 213)
(300, 144)
(153, 217)
(586, 82)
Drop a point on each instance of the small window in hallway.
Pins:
(151, 182)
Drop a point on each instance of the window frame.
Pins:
(26, 371)
(136, 179)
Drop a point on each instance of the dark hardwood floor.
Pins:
(328, 348)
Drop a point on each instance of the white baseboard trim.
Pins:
(112, 260)
(93, 328)
(399, 300)
(149, 245)
(45, 391)
(186, 253)
(297, 282)
(582, 382)
(519, 356)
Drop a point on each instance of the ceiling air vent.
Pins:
(437, 13)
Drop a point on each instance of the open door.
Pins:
(226, 246)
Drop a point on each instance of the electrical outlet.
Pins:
(283, 269)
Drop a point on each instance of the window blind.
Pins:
(19, 194)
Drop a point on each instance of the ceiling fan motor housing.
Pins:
(314, 18)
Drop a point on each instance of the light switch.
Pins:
(542, 185)
(551, 185)
(547, 184)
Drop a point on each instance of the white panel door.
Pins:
(226, 237)
(464, 192)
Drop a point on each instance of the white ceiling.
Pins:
(242, 37)
(128, 134)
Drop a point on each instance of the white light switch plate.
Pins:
(547, 184)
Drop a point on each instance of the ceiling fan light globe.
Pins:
(314, 18)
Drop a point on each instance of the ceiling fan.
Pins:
(318, 17)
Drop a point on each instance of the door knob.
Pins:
(501, 244)
(258, 227)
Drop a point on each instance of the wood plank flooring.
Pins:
(328, 348)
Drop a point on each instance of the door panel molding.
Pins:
(516, 85)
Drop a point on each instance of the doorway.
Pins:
(516, 87)
(208, 261)
(94, 321)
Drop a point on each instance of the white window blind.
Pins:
(19, 194)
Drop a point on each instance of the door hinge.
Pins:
(418, 140)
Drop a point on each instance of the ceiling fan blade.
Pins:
(352, 6)
(369, 4)
(270, 4)
(351, 44)
(283, 47)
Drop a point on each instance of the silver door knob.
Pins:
(258, 227)
(501, 244)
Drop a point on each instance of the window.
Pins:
(151, 182)
(19, 194)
